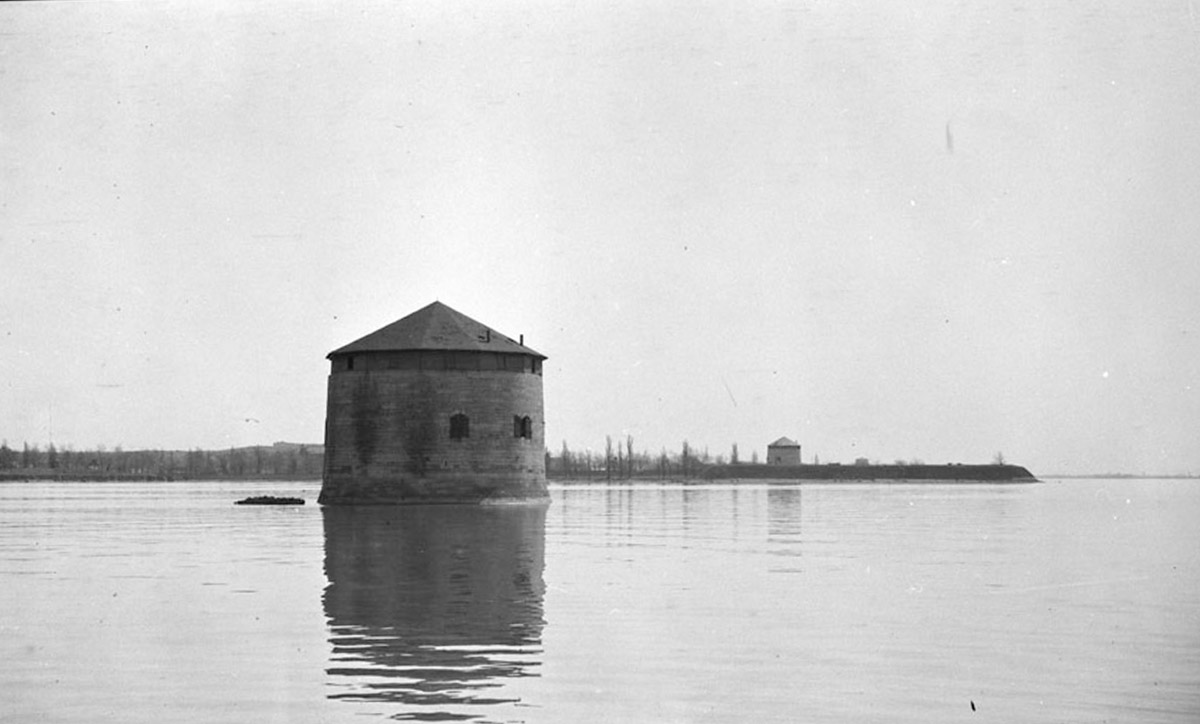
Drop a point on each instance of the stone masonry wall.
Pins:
(387, 437)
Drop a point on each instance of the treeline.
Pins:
(619, 461)
(289, 460)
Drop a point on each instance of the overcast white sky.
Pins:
(927, 232)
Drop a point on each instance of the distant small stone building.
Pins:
(783, 451)
(434, 408)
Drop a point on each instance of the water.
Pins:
(1063, 602)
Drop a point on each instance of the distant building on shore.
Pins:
(434, 408)
(783, 451)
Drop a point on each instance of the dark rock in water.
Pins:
(269, 500)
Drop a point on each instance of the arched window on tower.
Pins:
(460, 426)
(523, 427)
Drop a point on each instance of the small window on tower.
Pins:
(350, 362)
(460, 426)
(523, 427)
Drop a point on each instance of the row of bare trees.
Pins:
(259, 461)
(619, 461)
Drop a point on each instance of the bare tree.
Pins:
(30, 456)
(608, 457)
(567, 466)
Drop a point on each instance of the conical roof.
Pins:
(784, 442)
(436, 327)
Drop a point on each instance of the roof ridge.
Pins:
(437, 326)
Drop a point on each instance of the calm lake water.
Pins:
(162, 602)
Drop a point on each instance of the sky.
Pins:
(934, 231)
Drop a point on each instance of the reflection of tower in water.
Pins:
(431, 606)
(784, 513)
(784, 528)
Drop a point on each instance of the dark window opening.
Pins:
(522, 427)
(433, 361)
(460, 426)
(404, 361)
(350, 362)
(516, 363)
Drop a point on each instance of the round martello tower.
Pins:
(434, 408)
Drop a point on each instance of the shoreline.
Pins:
(33, 477)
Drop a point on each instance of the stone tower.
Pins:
(783, 451)
(434, 408)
